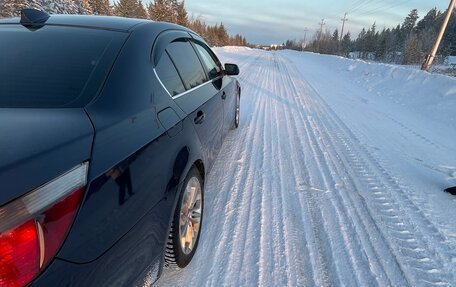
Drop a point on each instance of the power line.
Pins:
(363, 5)
(367, 11)
(384, 7)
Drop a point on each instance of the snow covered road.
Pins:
(323, 184)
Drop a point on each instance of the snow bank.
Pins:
(231, 49)
(431, 95)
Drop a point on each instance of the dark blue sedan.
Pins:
(108, 129)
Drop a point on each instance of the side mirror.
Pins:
(231, 69)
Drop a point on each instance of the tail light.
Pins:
(33, 227)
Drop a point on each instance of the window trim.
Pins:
(187, 91)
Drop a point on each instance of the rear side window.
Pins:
(187, 63)
(54, 67)
(209, 61)
(169, 76)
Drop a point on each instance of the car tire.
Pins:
(186, 226)
(237, 112)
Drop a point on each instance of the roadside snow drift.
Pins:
(335, 177)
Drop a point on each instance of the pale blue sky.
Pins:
(273, 21)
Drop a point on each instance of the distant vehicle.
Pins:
(109, 127)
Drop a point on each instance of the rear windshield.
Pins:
(54, 66)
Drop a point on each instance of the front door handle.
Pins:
(199, 118)
(223, 95)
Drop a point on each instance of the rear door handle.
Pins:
(199, 118)
(223, 95)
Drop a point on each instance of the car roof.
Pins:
(89, 21)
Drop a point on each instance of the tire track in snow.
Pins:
(295, 243)
(317, 153)
(248, 209)
(235, 203)
(342, 208)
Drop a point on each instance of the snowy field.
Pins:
(335, 177)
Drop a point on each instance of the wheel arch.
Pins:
(200, 166)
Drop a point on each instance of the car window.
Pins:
(54, 67)
(209, 61)
(187, 63)
(168, 75)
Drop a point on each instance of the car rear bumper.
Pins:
(135, 260)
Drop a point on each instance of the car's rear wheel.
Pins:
(185, 230)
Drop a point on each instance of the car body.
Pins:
(129, 127)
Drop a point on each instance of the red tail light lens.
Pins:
(33, 227)
(21, 247)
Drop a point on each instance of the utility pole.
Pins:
(320, 33)
(322, 23)
(303, 46)
(345, 19)
(430, 57)
(305, 34)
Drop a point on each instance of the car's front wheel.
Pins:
(237, 115)
(185, 230)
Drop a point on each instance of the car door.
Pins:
(225, 85)
(201, 100)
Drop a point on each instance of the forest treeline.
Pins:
(159, 10)
(407, 43)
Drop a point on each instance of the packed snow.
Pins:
(335, 177)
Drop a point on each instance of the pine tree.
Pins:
(428, 21)
(345, 45)
(412, 52)
(127, 8)
(141, 11)
(12, 8)
(84, 7)
(222, 35)
(198, 26)
(409, 22)
(59, 6)
(100, 7)
(159, 10)
(381, 48)
(181, 14)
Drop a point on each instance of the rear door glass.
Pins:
(169, 76)
(187, 63)
(54, 67)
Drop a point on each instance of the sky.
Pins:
(274, 21)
